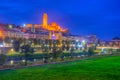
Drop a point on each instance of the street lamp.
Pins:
(83, 41)
(77, 40)
(24, 25)
(11, 62)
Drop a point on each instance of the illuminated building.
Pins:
(92, 39)
(113, 44)
(43, 31)
(45, 19)
(48, 30)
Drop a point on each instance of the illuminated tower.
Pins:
(45, 19)
(0, 33)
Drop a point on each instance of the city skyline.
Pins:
(99, 17)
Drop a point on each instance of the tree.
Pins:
(27, 50)
(72, 52)
(16, 45)
(1, 42)
(84, 52)
(67, 48)
(3, 59)
(35, 41)
(63, 47)
(46, 55)
(116, 38)
(56, 53)
(7, 40)
(90, 51)
(118, 50)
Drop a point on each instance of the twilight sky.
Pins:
(101, 17)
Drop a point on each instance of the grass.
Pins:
(105, 68)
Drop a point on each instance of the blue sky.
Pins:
(101, 17)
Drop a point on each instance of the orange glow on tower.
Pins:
(45, 19)
(53, 26)
(45, 25)
(1, 33)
